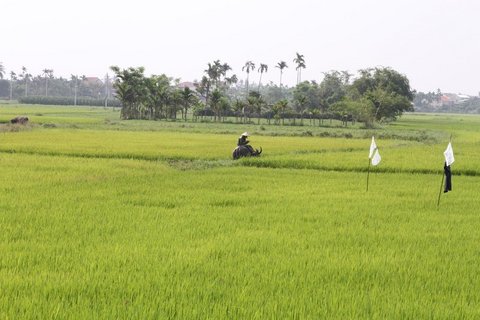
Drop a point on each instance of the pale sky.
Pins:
(435, 43)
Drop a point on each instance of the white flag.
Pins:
(373, 146)
(376, 158)
(449, 159)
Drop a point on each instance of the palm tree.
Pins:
(301, 106)
(48, 73)
(214, 72)
(239, 108)
(280, 108)
(188, 99)
(215, 103)
(25, 76)
(249, 66)
(2, 70)
(281, 65)
(300, 61)
(224, 68)
(13, 77)
(131, 90)
(231, 80)
(74, 80)
(255, 103)
(263, 68)
(175, 100)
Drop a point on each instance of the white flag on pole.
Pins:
(373, 146)
(376, 158)
(449, 159)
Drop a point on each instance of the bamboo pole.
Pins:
(368, 172)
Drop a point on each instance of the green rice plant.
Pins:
(116, 238)
(153, 220)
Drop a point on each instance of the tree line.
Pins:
(437, 101)
(375, 94)
(30, 88)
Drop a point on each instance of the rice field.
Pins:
(116, 221)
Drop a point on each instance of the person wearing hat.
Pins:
(242, 141)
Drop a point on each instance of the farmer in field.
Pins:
(242, 141)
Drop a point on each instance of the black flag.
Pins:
(448, 176)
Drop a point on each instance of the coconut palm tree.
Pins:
(249, 66)
(281, 65)
(300, 61)
(263, 68)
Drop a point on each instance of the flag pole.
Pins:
(443, 179)
(440, 192)
(368, 172)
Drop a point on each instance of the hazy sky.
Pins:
(435, 43)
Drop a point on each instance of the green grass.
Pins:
(160, 224)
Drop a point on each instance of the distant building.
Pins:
(92, 80)
(452, 98)
(187, 84)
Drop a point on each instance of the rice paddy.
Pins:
(110, 219)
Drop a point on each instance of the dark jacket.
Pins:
(242, 141)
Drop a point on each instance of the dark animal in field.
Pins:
(19, 120)
(244, 151)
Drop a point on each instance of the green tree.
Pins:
(361, 110)
(159, 96)
(255, 104)
(249, 66)
(281, 65)
(13, 79)
(262, 69)
(132, 90)
(224, 106)
(239, 109)
(74, 87)
(216, 104)
(272, 93)
(175, 102)
(25, 76)
(301, 103)
(216, 78)
(279, 109)
(387, 89)
(188, 99)
(47, 73)
(307, 96)
(300, 61)
(332, 89)
(2, 70)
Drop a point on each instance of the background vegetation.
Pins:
(375, 95)
(378, 94)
